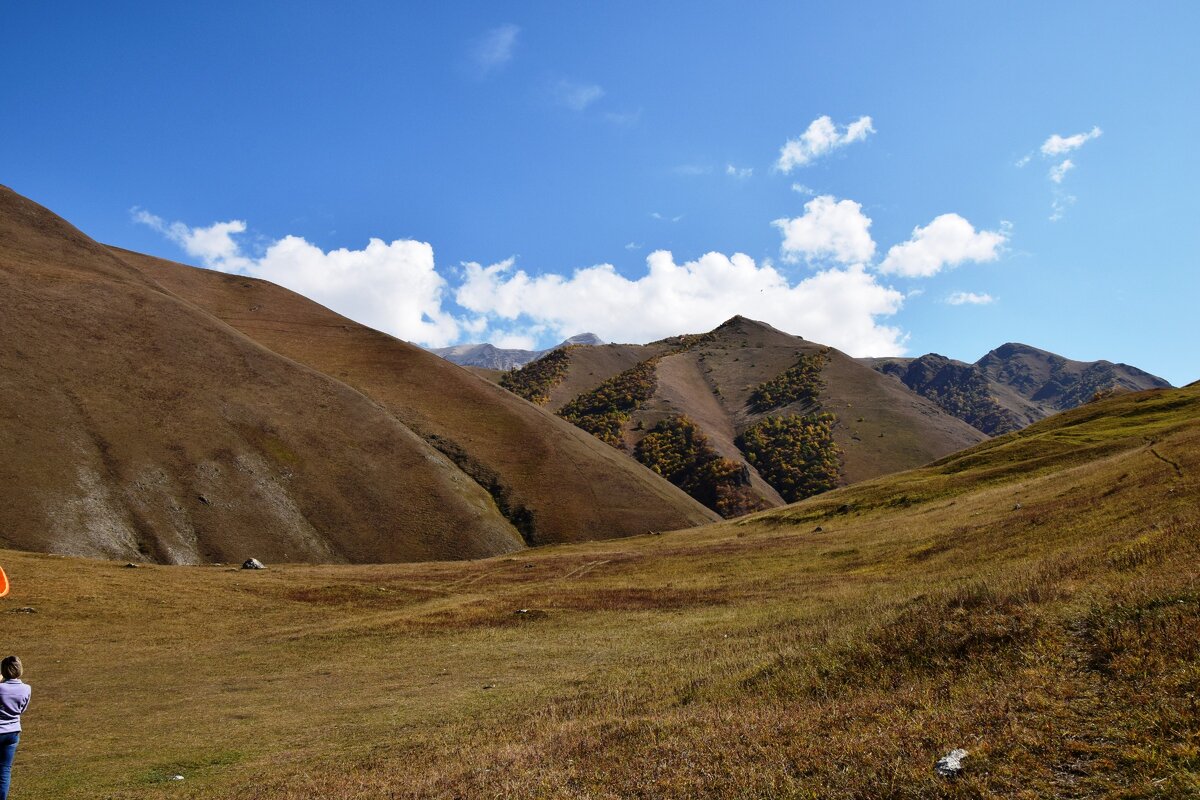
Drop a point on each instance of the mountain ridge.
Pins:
(1012, 385)
(485, 355)
(699, 388)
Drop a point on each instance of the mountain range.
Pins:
(746, 416)
(159, 412)
(488, 356)
(1013, 385)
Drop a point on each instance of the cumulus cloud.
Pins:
(969, 298)
(577, 96)
(821, 137)
(1059, 145)
(837, 306)
(946, 242)
(829, 229)
(1059, 171)
(214, 245)
(495, 48)
(393, 287)
(514, 341)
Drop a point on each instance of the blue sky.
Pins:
(531, 170)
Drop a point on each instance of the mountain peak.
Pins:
(1010, 349)
(744, 324)
(583, 338)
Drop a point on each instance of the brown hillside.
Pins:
(1032, 600)
(554, 482)
(881, 426)
(135, 426)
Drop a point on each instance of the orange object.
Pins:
(3, 583)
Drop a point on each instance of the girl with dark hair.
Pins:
(14, 699)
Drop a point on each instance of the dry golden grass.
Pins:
(1033, 600)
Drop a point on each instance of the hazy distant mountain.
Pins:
(1013, 385)
(488, 356)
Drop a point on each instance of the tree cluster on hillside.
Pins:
(604, 410)
(686, 341)
(961, 390)
(679, 451)
(802, 381)
(1096, 379)
(538, 378)
(795, 454)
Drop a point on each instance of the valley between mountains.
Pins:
(518, 583)
(159, 412)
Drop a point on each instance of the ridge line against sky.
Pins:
(885, 180)
(396, 287)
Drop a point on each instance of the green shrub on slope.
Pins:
(795, 454)
(676, 449)
(538, 378)
(801, 381)
(604, 410)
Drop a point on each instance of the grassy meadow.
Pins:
(1033, 600)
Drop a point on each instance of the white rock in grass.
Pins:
(176, 777)
(252, 563)
(949, 765)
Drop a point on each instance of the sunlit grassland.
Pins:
(1033, 600)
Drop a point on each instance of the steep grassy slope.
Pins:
(716, 381)
(553, 482)
(1033, 600)
(135, 426)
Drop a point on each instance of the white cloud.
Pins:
(738, 172)
(1058, 145)
(822, 137)
(1059, 171)
(838, 306)
(1060, 204)
(514, 341)
(213, 245)
(391, 287)
(946, 242)
(800, 188)
(633, 246)
(830, 228)
(1024, 160)
(623, 119)
(969, 298)
(495, 48)
(577, 96)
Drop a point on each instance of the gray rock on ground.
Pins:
(950, 765)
